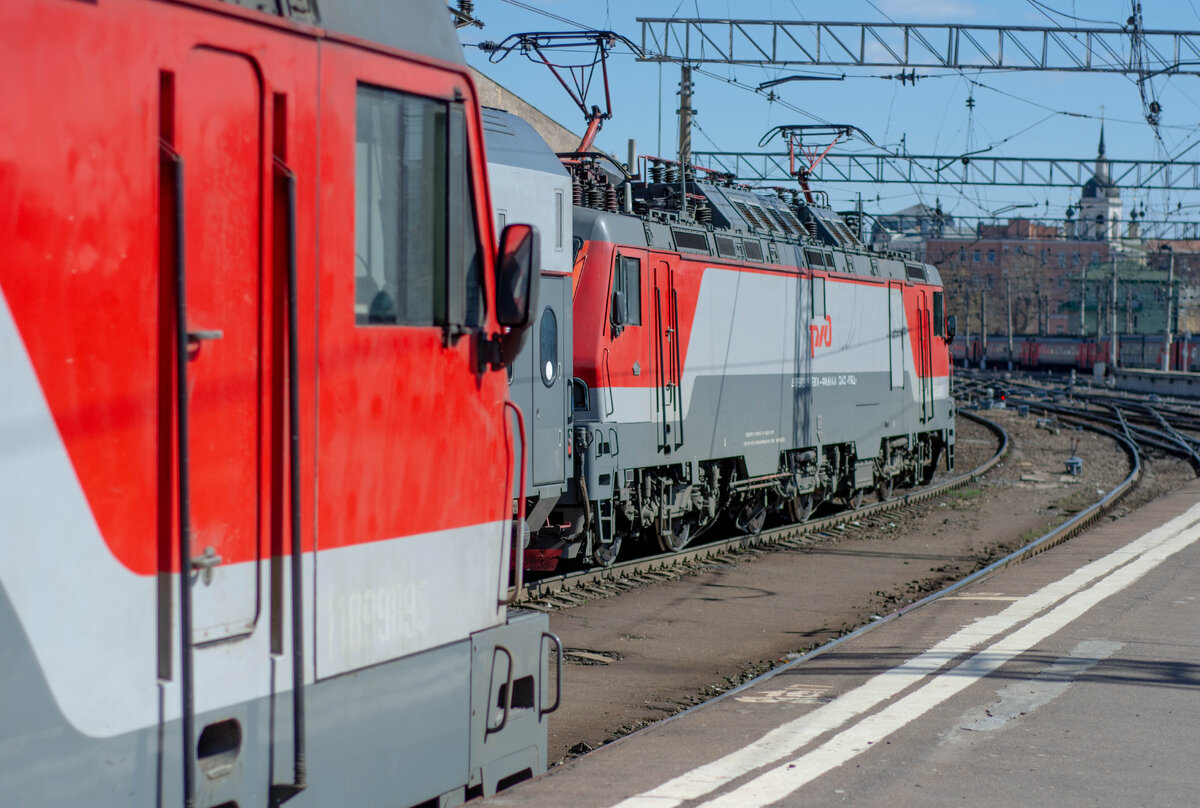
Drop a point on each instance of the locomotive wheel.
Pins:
(800, 507)
(606, 554)
(675, 540)
(883, 489)
(751, 519)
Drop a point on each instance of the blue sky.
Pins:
(1018, 114)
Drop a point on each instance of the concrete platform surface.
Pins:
(1072, 679)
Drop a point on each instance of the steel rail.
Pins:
(545, 587)
(1147, 437)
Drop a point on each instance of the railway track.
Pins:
(569, 589)
(1061, 533)
(1121, 424)
(1153, 425)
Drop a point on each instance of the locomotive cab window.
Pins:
(628, 281)
(416, 244)
(939, 315)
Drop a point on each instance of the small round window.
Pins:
(548, 353)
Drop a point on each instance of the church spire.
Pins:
(1102, 175)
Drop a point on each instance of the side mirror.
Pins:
(951, 328)
(516, 263)
(516, 293)
(619, 313)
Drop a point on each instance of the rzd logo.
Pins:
(820, 335)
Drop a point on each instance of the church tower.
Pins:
(1099, 211)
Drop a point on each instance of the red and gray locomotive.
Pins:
(733, 355)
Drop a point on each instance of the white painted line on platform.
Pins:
(783, 780)
(788, 738)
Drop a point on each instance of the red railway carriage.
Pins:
(254, 431)
(1066, 353)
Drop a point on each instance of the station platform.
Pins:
(1070, 679)
(1160, 382)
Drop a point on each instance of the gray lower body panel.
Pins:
(396, 734)
(758, 417)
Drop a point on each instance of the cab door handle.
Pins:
(205, 335)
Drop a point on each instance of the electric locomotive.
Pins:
(255, 434)
(531, 185)
(742, 356)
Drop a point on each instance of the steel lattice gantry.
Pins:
(1039, 172)
(897, 45)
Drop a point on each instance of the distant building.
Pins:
(1098, 214)
(1048, 273)
(907, 229)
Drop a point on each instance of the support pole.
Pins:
(983, 329)
(1166, 363)
(1083, 301)
(685, 135)
(1115, 359)
(1008, 303)
(966, 328)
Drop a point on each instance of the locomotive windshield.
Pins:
(416, 244)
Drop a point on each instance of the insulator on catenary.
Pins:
(576, 191)
(610, 198)
(596, 197)
(703, 213)
(811, 224)
(656, 171)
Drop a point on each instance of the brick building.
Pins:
(1047, 272)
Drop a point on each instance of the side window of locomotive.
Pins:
(548, 347)
(399, 204)
(629, 282)
(415, 237)
(939, 315)
(465, 304)
(818, 298)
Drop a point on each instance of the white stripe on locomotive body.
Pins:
(746, 324)
(379, 601)
(93, 624)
